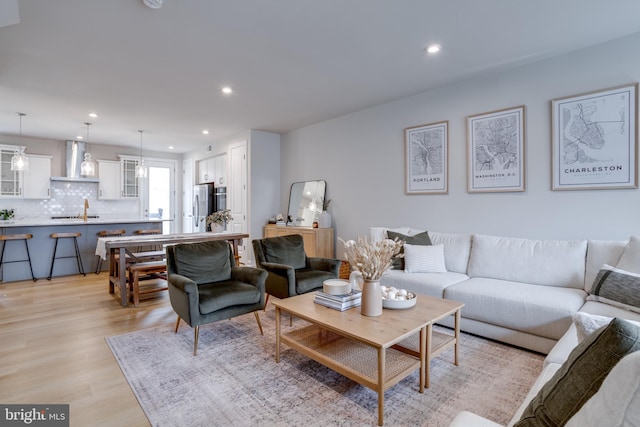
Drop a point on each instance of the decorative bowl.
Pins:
(336, 287)
(393, 304)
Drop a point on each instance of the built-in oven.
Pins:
(220, 199)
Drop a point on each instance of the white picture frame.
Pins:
(496, 151)
(594, 141)
(427, 158)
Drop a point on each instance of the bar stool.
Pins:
(58, 236)
(147, 232)
(24, 238)
(107, 233)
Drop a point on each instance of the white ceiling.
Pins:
(291, 63)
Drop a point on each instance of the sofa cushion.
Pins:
(542, 262)
(203, 262)
(287, 250)
(380, 233)
(617, 402)
(539, 310)
(617, 287)
(308, 279)
(630, 258)
(581, 375)
(424, 259)
(417, 239)
(228, 293)
(456, 249)
(432, 284)
(599, 253)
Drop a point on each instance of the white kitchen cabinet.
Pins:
(37, 180)
(130, 185)
(213, 169)
(109, 174)
(10, 181)
(221, 170)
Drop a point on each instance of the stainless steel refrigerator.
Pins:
(203, 205)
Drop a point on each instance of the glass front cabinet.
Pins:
(10, 183)
(130, 184)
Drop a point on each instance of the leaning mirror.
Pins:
(305, 202)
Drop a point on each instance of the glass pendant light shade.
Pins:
(141, 170)
(20, 161)
(88, 166)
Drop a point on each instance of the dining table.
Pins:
(124, 246)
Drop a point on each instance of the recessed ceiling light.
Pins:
(94, 115)
(433, 48)
(205, 132)
(227, 90)
(79, 137)
(171, 147)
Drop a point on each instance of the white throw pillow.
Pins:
(587, 323)
(424, 259)
(617, 402)
(630, 258)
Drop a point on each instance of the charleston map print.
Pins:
(594, 139)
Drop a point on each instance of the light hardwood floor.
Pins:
(53, 348)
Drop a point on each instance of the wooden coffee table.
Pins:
(377, 352)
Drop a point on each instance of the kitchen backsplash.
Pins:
(67, 199)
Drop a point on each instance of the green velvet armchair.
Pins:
(291, 271)
(205, 285)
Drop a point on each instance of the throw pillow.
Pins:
(581, 375)
(424, 259)
(617, 403)
(418, 239)
(630, 258)
(616, 287)
(203, 262)
(586, 323)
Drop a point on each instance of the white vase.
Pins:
(371, 298)
(324, 220)
(217, 228)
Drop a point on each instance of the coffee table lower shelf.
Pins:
(355, 360)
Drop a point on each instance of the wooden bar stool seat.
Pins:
(73, 236)
(151, 247)
(9, 237)
(107, 233)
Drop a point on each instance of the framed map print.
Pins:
(426, 158)
(595, 140)
(496, 151)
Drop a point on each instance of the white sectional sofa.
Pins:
(519, 291)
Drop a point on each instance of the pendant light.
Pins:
(20, 161)
(141, 170)
(88, 166)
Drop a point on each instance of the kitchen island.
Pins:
(41, 245)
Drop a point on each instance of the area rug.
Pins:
(234, 381)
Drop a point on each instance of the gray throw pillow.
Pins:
(203, 262)
(418, 239)
(581, 375)
(616, 287)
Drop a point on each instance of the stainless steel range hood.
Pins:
(75, 156)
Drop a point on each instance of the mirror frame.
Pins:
(304, 211)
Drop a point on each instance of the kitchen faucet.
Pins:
(86, 206)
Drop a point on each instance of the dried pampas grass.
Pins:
(372, 258)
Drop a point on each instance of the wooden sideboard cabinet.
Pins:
(318, 242)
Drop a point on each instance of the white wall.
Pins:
(361, 156)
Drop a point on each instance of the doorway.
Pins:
(159, 196)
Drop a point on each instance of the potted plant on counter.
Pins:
(217, 221)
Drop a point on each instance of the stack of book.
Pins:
(339, 302)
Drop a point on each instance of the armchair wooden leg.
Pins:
(266, 301)
(259, 324)
(196, 332)
(177, 324)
